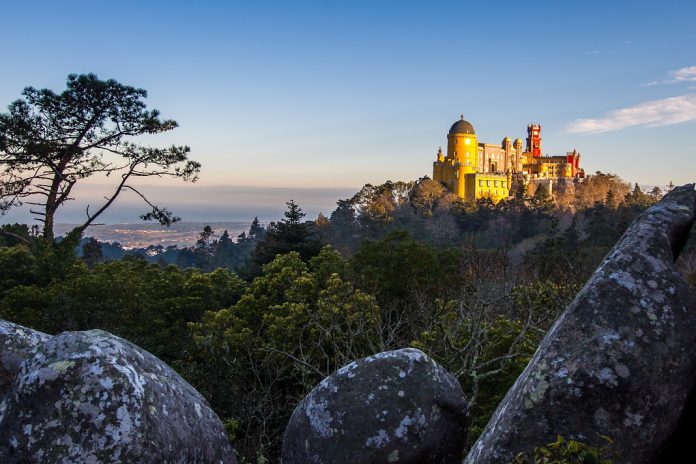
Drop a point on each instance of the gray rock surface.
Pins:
(621, 359)
(397, 406)
(87, 397)
(17, 343)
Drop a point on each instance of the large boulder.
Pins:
(621, 359)
(88, 397)
(397, 406)
(17, 343)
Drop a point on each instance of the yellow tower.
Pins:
(461, 160)
(462, 146)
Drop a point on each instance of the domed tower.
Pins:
(462, 145)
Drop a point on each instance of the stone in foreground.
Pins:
(397, 406)
(17, 343)
(621, 359)
(88, 397)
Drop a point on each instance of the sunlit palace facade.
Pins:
(474, 170)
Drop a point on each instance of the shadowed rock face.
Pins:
(17, 343)
(621, 359)
(397, 406)
(92, 397)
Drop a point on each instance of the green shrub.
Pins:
(564, 451)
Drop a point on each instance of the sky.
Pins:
(312, 99)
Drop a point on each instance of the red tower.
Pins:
(573, 158)
(534, 140)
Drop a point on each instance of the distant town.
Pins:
(142, 234)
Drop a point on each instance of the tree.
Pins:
(17, 267)
(256, 230)
(49, 142)
(204, 250)
(426, 194)
(656, 193)
(294, 214)
(288, 234)
(92, 252)
(14, 234)
(596, 188)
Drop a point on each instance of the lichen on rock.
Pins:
(17, 343)
(94, 397)
(397, 406)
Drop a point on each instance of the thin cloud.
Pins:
(653, 113)
(687, 74)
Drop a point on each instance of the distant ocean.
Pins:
(141, 235)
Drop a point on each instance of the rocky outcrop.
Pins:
(397, 406)
(93, 397)
(620, 361)
(17, 343)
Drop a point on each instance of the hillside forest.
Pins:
(254, 322)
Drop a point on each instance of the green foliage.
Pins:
(130, 298)
(55, 258)
(395, 266)
(284, 236)
(92, 252)
(564, 451)
(17, 267)
(16, 234)
(405, 276)
(210, 253)
(294, 325)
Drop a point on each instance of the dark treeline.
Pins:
(255, 321)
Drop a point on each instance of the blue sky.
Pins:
(334, 94)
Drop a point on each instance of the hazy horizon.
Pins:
(196, 203)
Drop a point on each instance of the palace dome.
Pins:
(462, 127)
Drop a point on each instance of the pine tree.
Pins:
(288, 234)
(656, 193)
(294, 214)
(256, 230)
